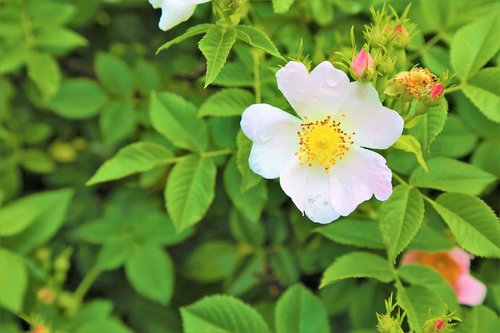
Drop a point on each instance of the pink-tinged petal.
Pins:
(470, 291)
(375, 125)
(314, 95)
(274, 133)
(410, 257)
(436, 90)
(361, 174)
(462, 258)
(174, 12)
(309, 189)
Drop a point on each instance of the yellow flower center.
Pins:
(323, 143)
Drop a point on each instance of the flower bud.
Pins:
(436, 90)
(400, 36)
(437, 325)
(417, 84)
(363, 66)
(387, 324)
(40, 329)
(47, 296)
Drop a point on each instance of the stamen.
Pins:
(323, 143)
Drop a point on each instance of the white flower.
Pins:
(321, 158)
(174, 12)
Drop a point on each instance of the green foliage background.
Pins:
(174, 232)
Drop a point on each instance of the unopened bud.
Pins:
(363, 66)
(40, 329)
(436, 90)
(46, 295)
(400, 36)
(387, 324)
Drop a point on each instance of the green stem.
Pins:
(399, 179)
(256, 75)
(86, 283)
(452, 89)
(425, 47)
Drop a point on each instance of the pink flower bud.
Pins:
(436, 90)
(439, 325)
(362, 63)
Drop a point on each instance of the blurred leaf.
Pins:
(77, 99)
(447, 174)
(36, 160)
(409, 144)
(420, 304)
(487, 157)
(282, 6)
(299, 310)
(284, 265)
(226, 102)
(244, 230)
(114, 252)
(400, 218)
(222, 314)
(215, 46)
(177, 120)
(475, 44)
(114, 74)
(472, 222)
(190, 190)
(150, 271)
(211, 261)
(44, 71)
(191, 32)
(347, 231)
(51, 207)
(103, 325)
(14, 281)
(251, 202)
(223, 131)
(250, 179)
(483, 89)
(232, 75)
(59, 40)
(479, 319)
(146, 77)
(134, 158)
(247, 275)
(117, 122)
(437, 59)
(358, 265)
(257, 38)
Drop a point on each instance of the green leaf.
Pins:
(247, 275)
(420, 304)
(215, 46)
(475, 44)
(284, 266)
(14, 281)
(117, 121)
(257, 38)
(447, 174)
(59, 40)
(347, 231)
(429, 125)
(190, 190)
(114, 74)
(400, 218)
(212, 261)
(50, 208)
(36, 160)
(16, 217)
(226, 102)
(473, 118)
(150, 271)
(114, 252)
(298, 310)
(456, 140)
(103, 325)
(437, 59)
(479, 319)
(424, 276)
(245, 231)
(483, 89)
(358, 265)
(472, 222)
(251, 202)
(176, 119)
(250, 179)
(191, 32)
(487, 157)
(44, 71)
(78, 99)
(409, 144)
(134, 158)
(282, 6)
(232, 75)
(222, 314)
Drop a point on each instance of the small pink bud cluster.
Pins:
(363, 66)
